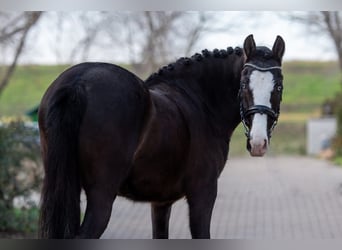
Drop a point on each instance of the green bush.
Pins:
(20, 176)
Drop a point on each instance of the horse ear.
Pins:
(249, 46)
(279, 48)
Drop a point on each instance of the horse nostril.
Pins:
(265, 144)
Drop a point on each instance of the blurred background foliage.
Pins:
(20, 176)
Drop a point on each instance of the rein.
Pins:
(259, 109)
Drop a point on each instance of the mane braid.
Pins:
(197, 57)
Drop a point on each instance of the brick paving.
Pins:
(258, 198)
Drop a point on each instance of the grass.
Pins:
(303, 91)
(26, 88)
(306, 86)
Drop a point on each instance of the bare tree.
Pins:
(150, 38)
(330, 22)
(333, 24)
(13, 32)
(165, 35)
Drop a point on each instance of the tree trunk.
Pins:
(333, 23)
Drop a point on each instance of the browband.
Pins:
(261, 68)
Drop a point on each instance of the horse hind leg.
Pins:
(101, 180)
(98, 212)
(160, 214)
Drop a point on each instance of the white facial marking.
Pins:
(261, 85)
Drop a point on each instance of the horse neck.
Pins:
(219, 82)
(212, 83)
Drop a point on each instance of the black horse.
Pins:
(106, 131)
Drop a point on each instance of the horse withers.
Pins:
(107, 132)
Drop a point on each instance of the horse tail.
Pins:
(60, 200)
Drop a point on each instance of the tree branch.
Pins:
(32, 18)
(334, 32)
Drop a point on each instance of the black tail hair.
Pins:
(60, 200)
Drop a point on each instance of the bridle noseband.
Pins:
(259, 109)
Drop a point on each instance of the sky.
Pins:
(265, 26)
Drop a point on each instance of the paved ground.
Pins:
(259, 198)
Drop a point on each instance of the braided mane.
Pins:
(185, 62)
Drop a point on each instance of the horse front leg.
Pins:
(201, 202)
(160, 213)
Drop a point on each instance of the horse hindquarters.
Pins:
(59, 122)
(90, 122)
(117, 107)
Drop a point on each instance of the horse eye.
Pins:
(279, 88)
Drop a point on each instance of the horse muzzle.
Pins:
(257, 148)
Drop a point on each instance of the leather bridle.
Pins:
(259, 109)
